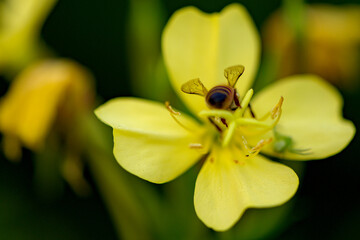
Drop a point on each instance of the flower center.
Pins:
(236, 126)
(233, 118)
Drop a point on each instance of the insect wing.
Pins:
(194, 86)
(233, 73)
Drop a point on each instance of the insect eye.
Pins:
(219, 97)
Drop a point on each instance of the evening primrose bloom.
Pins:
(330, 43)
(47, 92)
(298, 118)
(20, 25)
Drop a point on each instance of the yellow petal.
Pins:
(227, 185)
(143, 116)
(311, 116)
(148, 142)
(21, 22)
(29, 108)
(200, 45)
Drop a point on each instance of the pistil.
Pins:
(236, 119)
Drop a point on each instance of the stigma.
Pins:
(234, 128)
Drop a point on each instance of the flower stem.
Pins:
(115, 185)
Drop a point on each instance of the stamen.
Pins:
(262, 123)
(276, 111)
(196, 145)
(260, 145)
(252, 152)
(176, 115)
(244, 146)
(201, 148)
(226, 122)
(244, 104)
(252, 122)
(171, 110)
(264, 126)
(225, 114)
(232, 118)
(229, 133)
(266, 115)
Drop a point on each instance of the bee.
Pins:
(221, 96)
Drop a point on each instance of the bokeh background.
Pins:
(115, 40)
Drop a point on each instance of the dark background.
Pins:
(94, 34)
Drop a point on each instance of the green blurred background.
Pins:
(96, 34)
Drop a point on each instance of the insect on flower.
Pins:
(223, 97)
(292, 116)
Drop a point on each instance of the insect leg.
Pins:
(251, 111)
(236, 98)
(224, 122)
(214, 123)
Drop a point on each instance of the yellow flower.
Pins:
(159, 144)
(329, 45)
(20, 25)
(46, 92)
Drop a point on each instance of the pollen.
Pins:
(196, 145)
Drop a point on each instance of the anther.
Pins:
(176, 116)
(260, 145)
(251, 152)
(275, 112)
(171, 110)
(196, 146)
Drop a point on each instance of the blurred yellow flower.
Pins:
(46, 92)
(158, 144)
(329, 47)
(20, 25)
